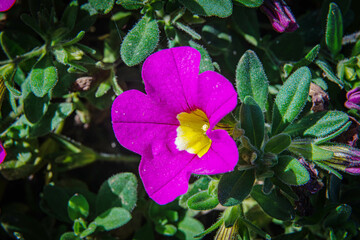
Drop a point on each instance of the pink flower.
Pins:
(172, 126)
(2, 153)
(6, 5)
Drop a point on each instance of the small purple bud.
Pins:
(353, 99)
(279, 15)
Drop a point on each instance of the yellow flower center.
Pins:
(191, 134)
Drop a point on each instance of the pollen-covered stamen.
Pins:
(191, 134)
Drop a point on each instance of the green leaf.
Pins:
(119, 190)
(251, 79)
(291, 172)
(130, 4)
(78, 207)
(166, 230)
(35, 107)
(43, 76)
(245, 22)
(328, 168)
(278, 143)
(103, 88)
(329, 73)
(188, 30)
(15, 43)
(251, 3)
(338, 216)
(140, 42)
(274, 204)
(55, 202)
(31, 22)
(70, 14)
(219, 8)
(252, 121)
(202, 201)
(319, 124)
(55, 115)
(291, 99)
(89, 230)
(200, 185)
(189, 227)
(235, 186)
(112, 218)
(206, 62)
(334, 29)
(69, 236)
(102, 6)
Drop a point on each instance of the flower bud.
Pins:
(279, 15)
(353, 99)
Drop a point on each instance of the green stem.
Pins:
(117, 157)
(33, 53)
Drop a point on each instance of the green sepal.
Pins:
(252, 121)
(278, 143)
(309, 150)
(291, 171)
(231, 214)
(290, 100)
(235, 186)
(251, 79)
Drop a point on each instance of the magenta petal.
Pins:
(165, 174)
(6, 5)
(351, 105)
(216, 96)
(222, 156)
(170, 77)
(2, 153)
(354, 171)
(138, 121)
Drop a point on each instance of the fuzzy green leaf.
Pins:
(102, 6)
(189, 227)
(291, 172)
(43, 76)
(206, 62)
(320, 124)
(251, 3)
(119, 190)
(291, 99)
(112, 218)
(334, 29)
(220, 8)
(329, 73)
(202, 201)
(130, 4)
(252, 121)
(235, 186)
(140, 42)
(251, 79)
